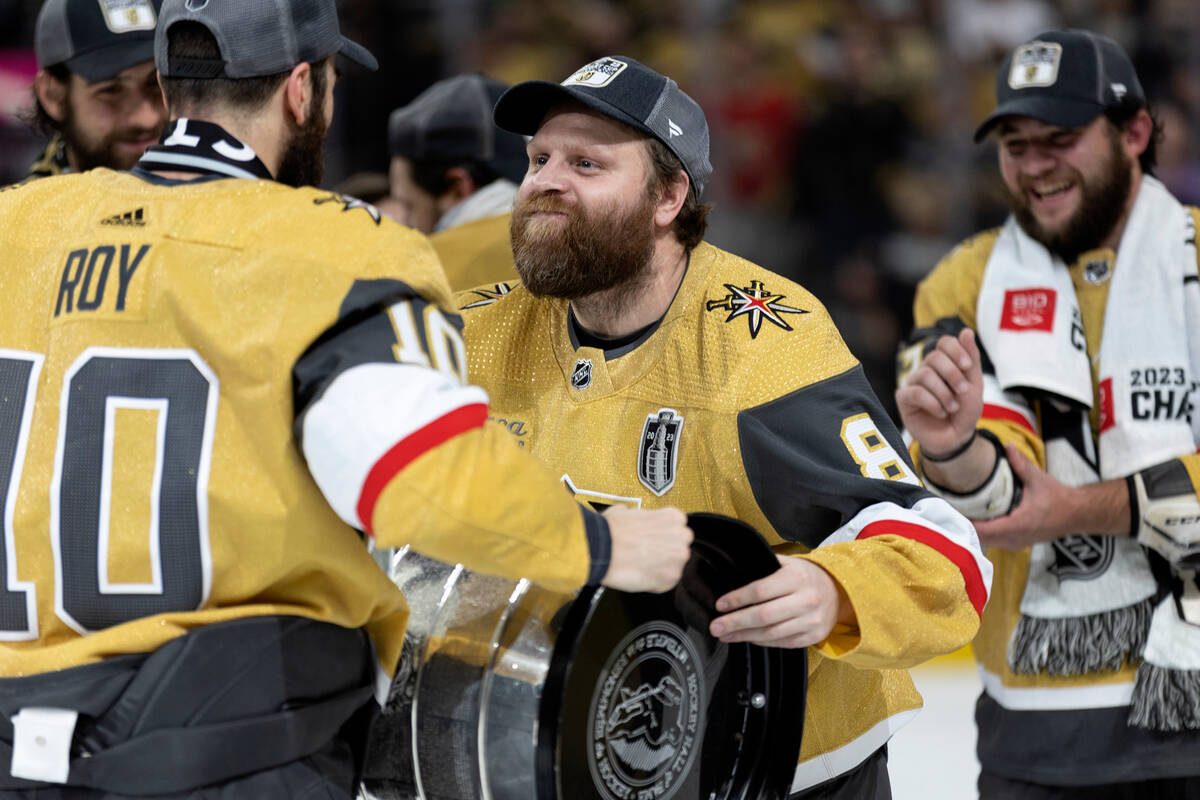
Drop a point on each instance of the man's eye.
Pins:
(586, 163)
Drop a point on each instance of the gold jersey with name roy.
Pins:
(208, 390)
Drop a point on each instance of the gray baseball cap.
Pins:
(1065, 78)
(95, 39)
(451, 121)
(257, 37)
(627, 91)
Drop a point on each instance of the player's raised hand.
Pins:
(649, 548)
(942, 399)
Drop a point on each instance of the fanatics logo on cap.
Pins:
(596, 74)
(123, 16)
(1028, 310)
(1035, 64)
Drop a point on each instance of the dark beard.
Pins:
(303, 159)
(1102, 202)
(90, 155)
(601, 252)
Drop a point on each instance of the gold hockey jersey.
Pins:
(745, 401)
(1025, 719)
(475, 252)
(206, 388)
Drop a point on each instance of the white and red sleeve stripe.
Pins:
(1002, 406)
(934, 523)
(375, 419)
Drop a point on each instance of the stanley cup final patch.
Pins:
(1035, 64)
(596, 74)
(659, 450)
(123, 16)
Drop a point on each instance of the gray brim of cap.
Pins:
(358, 54)
(1060, 111)
(105, 63)
(522, 108)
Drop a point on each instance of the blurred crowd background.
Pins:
(841, 129)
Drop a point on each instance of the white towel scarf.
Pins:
(1072, 626)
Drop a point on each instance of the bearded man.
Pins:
(646, 367)
(96, 93)
(1051, 390)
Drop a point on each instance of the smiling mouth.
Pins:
(1054, 190)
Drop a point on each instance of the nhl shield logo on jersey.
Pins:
(1097, 271)
(581, 376)
(756, 304)
(659, 450)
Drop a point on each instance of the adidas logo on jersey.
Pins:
(136, 219)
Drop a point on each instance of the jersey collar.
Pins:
(205, 148)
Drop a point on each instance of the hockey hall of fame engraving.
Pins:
(646, 718)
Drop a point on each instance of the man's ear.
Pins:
(298, 92)
(1136, 134)
(52, 94)
(670, 199)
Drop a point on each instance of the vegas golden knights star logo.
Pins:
(659, 450)
(488, 296)
(756, 304)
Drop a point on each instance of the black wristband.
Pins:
(1135, 512)
(958, 451)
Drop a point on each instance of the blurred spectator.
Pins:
(454, 174)
(978, 29)
(1177, 165)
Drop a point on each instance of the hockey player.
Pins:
(212, 383)
(96, 92)
(1051, 390)
(647, 367)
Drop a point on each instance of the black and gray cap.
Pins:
(257, 37)
(627, 91)
(95, 39)
(451, 121)
(1065, 78)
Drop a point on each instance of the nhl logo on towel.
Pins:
(659, 450)
(581, 376)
